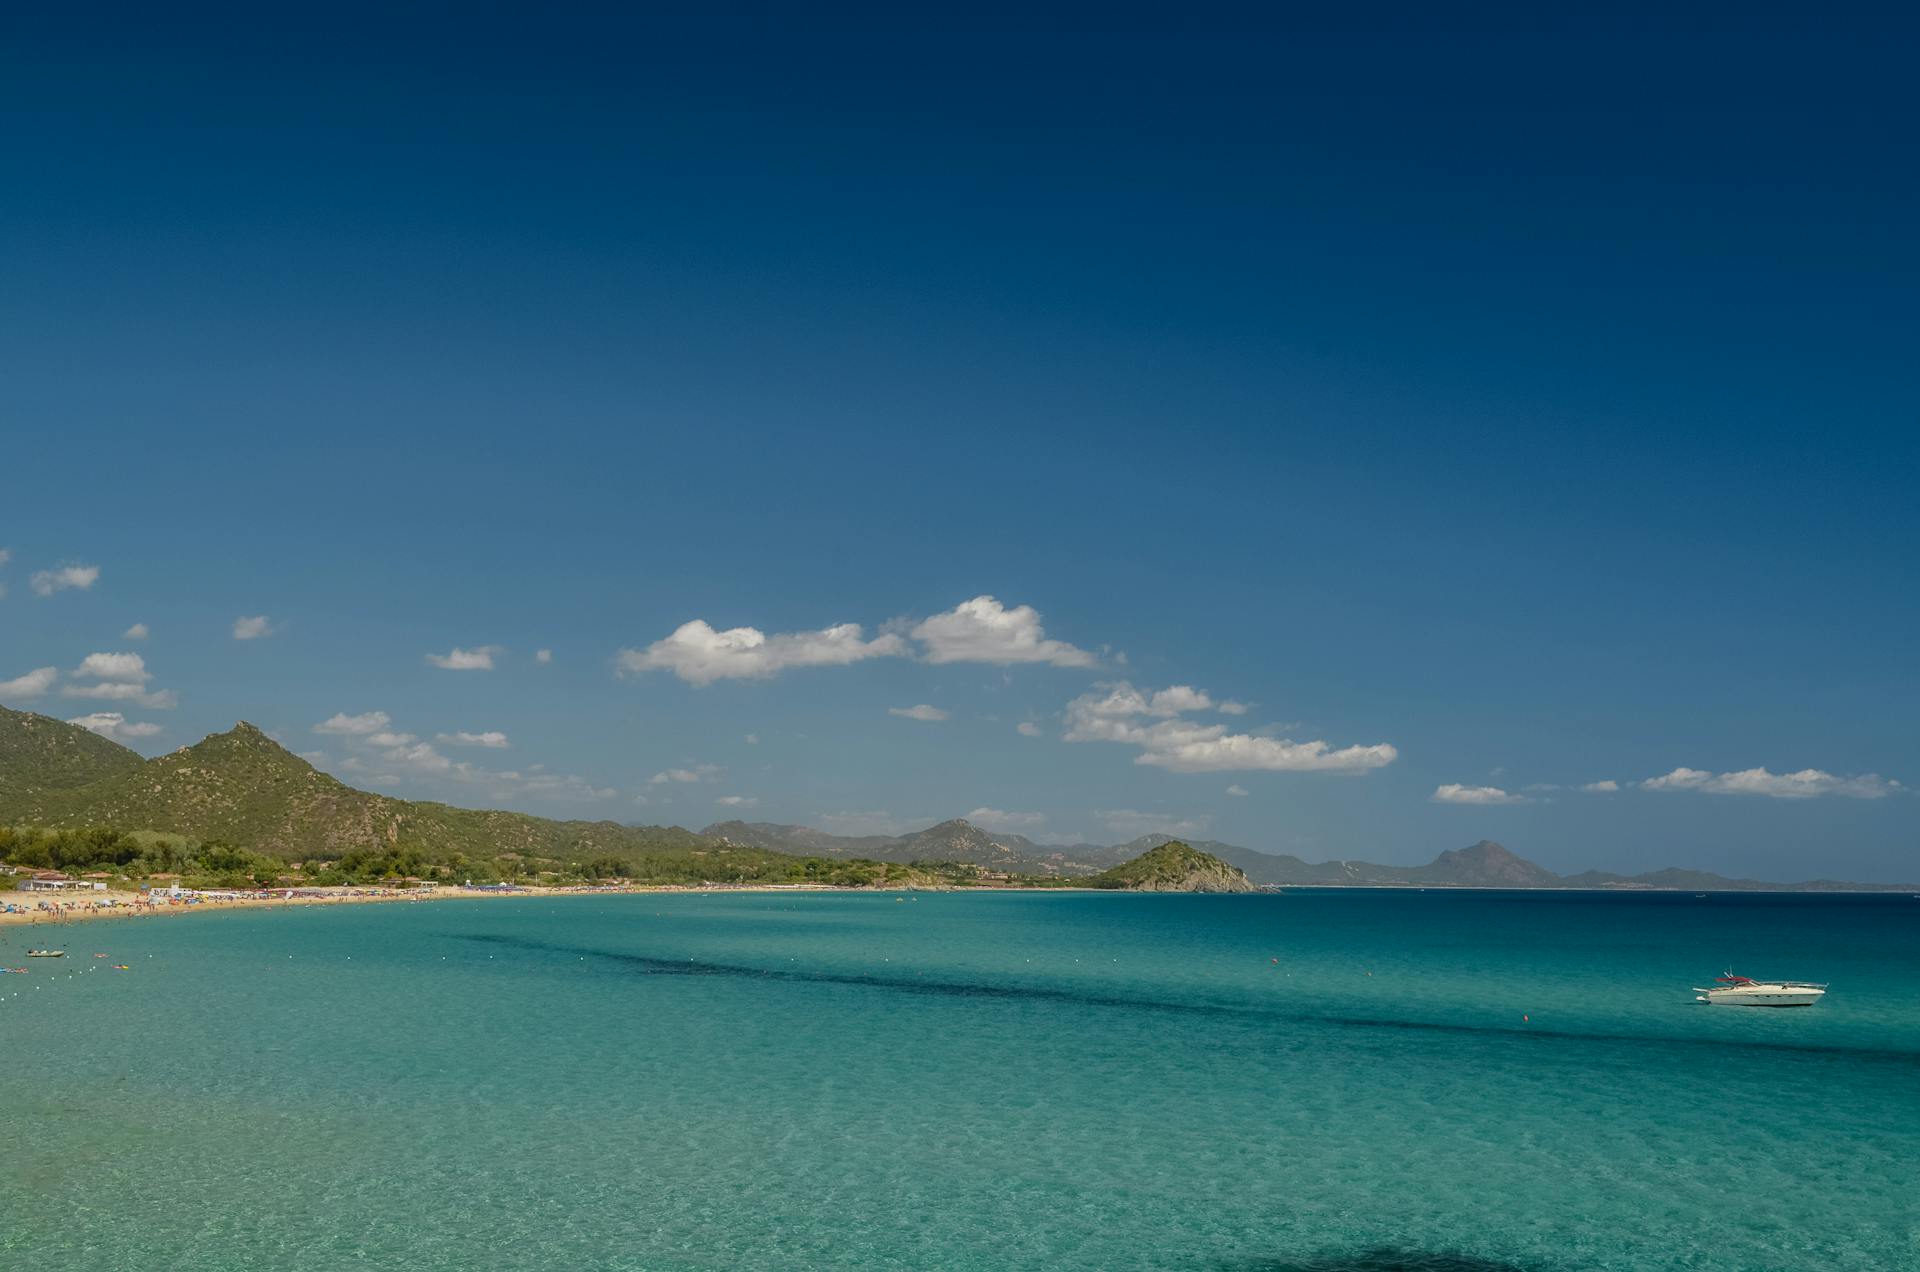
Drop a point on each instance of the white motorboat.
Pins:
(1744, 991)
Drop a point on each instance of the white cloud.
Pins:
(6, 555)
(979, 630)
(1455, 793)
(1185, 746)
(313, 757)
(1027, 729)
(1237, 789)
(365, 772)
(389, 755)
(131, 667)
(1681, 779)
(737, 801)
(111, 724)
(119, 677)
(1177, 700)
(984, 630)
(543, 655)
(1233, 708)
(123, 691)
(1000, 819)
(137, 632)
(1133, 823)
(491, 738)
(1606, 787)
(698, 773)
(1806, 784)
(31, 685)
(1123, 700)
(354, 725)
(480, 659)
(539, 785)
(920, 712)
(699, 655)
(258, 627)
(420, 757)
(753, 739)
(77, 577)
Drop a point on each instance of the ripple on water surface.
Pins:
(1316, 1081)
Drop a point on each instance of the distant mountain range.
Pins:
(246, 791)
(244, 788)
(1483, 865)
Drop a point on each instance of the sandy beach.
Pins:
(24, 907)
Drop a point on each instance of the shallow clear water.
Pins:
(1319, 1080)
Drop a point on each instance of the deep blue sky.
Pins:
(1531, 393)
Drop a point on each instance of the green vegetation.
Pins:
(1173, 867)
(39, 754)
(134, 857)
(239, 810)
(242, 787)
(125, 855)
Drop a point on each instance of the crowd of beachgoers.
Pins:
(68, 907)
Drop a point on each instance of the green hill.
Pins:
(40, 755)
(248, 805)
(243, 787)
(1174, 867)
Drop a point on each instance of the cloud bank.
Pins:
(345, 725)
(77, 578)
(1806, 784)
(31, 685)
(479, 659)
(984, 630)
(257, 627)
(1152, 721)
(118, 677)
(980, 630)
(492, 738)
(1455, 793)
(700, 655)
(111, 724)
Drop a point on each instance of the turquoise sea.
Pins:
(1320, 1080)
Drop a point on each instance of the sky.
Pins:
(1353, 434)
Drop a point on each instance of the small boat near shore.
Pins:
(1744, 991)
(46, 953)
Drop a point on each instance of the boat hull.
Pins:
(1762, 998)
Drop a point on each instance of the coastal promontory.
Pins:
(1174, 867)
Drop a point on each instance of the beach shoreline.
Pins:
(87, 907)
(72, 907)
